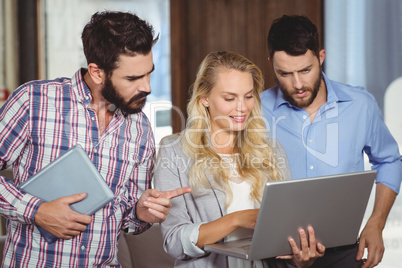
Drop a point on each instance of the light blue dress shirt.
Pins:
(348, 124)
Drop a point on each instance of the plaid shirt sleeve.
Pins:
(141, 181)
(14, 126)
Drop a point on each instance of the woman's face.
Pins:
(230, 102)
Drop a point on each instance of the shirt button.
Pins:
(310, 140)
(95, 150)
(304, 116)
(311, 167)
(82, 247)
(86, 97)
(93, 118)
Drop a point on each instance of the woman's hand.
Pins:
(246, 218)
(216, 230)
(309, 251)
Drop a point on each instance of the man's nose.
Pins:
(145, 85)
(297, 83)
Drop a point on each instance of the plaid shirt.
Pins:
(40, 121)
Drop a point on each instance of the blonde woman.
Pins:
(225, 157)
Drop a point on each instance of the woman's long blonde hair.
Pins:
(255, 157)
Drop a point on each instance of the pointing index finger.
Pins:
(177, 192)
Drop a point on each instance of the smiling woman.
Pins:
(230, 104)
(224, 155)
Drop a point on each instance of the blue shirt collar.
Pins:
(335, 94)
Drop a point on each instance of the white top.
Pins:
(241, 190)
(241, 201)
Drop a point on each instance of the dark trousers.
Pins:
(339, 257)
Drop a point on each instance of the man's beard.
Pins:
(301, 103)
(133, 106)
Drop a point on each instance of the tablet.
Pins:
(71, 173)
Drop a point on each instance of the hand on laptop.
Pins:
(213, 231)
(153, 205)
(57, 218)
(309, 251)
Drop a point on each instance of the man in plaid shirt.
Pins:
(100, 109)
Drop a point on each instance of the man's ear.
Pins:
(269, 60)
(98, 76)
(321, 56)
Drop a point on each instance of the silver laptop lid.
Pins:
(334, 205)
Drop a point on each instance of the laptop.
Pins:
(71, 173)
(333, 205)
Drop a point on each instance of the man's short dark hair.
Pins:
(294, 35)
(110, 34)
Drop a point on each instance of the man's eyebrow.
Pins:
(282, 71)
(134, 77)
(307, 67)
(302, 69)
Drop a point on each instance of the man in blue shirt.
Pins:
(325, 127)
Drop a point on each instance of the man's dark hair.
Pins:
(110, 34)
(294, 35)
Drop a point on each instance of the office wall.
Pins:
(202, 26)
(9, 46)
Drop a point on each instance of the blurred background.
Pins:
(41, 39)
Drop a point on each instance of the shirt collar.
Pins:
(81, 89)
(83, 93)
(333, 95)
(334, 92)
(280, 99)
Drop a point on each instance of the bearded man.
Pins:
(326, 127)
(100, 109)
